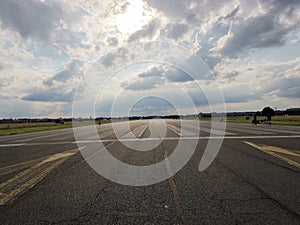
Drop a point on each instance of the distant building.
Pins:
(292, 111)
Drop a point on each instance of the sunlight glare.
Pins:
(133, 19)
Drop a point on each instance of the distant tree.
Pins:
(268, 111)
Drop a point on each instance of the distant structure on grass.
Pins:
(266, 111)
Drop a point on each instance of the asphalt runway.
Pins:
(254, 178)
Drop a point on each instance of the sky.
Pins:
(147, 57)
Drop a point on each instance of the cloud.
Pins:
(1, 66)
(265, 81)
(286, 87)
(187, 10)
(264, 30)
(30, 18)
(61, 87)
(73, 70)
(238, 95)
(227, 76)
(113, 41)
(149, 30)
(176, 75)
(153, 72)
(114, 58)
(238, 40)
(204, 43)
(192, 12)
(151, 106)
(145, 83)
(178, 9)
(8, 97)
(175, 30)
(66, 38)
(233, 13)
(198, 97)
(6, 81)
(155, 76)
(51, 95)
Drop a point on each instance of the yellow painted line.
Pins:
(19, 166)
(291, 162)
(36, 166)
(31, 183)
(280, 150)
(180, 210)
(28, 178)
(271, 151)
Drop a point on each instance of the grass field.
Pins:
(19, 128)
(276, 120)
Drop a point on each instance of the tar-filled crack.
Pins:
(231, 214)
(241, 200)
(261, 191)
(266, 160)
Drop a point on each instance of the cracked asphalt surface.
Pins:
(243, 185)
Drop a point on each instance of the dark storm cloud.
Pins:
(30, 18)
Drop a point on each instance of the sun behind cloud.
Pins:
(134, 18)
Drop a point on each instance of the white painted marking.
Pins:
(12, 145)
(181, 131)
(135, 133)
(214, 131)
(189, 138)
(142, 131)
(37, 137)
(251, 130)
(175, 129)
(157, 139)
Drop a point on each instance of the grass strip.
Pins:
(276, 120)
(10, 129)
